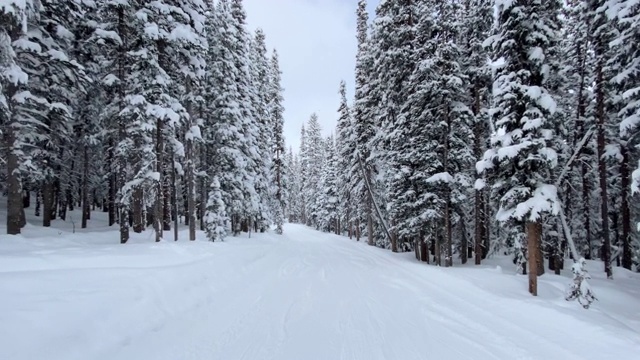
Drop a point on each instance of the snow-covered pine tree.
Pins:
(627, 64)
(577, 44)
(216, 220)
(303, 162)
(14, 17)
(314, 150)
(477, 27)
(391, 42)
(226, 122)
(364, 110)
(264, 182)
(349, 174)
(328, 189)
(602, 32)
(276, 114)
(250, 209)
(189, 65)
(519, 161)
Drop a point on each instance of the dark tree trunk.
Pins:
(47, 202)
(159, 205)
(137, 206)
(38, 202)
(190, 172)
(26, 196)
(14, 191)
(111, 200)
(370, 220)
(424, 250)
(394, 239)
(602, 166)
(120, 176)
(86, 209)
(627, 258)
(533, 249)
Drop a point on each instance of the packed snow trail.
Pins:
(301, 296)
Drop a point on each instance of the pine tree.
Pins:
(215, 216)
(478, 22)
(349, 174)
(521, 158)
(276, 113)
(13, 82)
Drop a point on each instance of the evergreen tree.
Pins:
(520, 159)
(276, 113)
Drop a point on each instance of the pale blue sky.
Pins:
(316, 43)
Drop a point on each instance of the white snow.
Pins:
(304, 295)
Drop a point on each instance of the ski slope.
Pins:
(301, 296)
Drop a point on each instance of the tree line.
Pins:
(152, 111)
(480, 127)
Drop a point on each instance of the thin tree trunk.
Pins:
(533, 245)
(394, 239)
(14, 191)
(370, 221)
(47, 202)
(26, 196)
(121, 174)
(582, 128)
(137, 209)
(447, 193)
(602, 166)
(190, 171)
(174, 194)
(111, 200)
(86, 209)
(159, 204)
(38, 202)
(627, 261)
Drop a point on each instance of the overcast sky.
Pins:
(316, 44)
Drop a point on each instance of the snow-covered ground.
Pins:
(301, 296)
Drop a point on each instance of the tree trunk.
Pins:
(533, 247)
(38, 202)
(627, 258)
(111, 200)
(137, 207)
(47, 202)
(159, 204)
(190, 171)
(394, 239)
(86, 209)
(120, 175)
(582, 128)
(370, 221)
(166, 198)
(465, 249)
(602, 166)
(424, 250)
(14, 191)
(26, 197)
(174, 194)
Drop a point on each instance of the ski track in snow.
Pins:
(304, 295)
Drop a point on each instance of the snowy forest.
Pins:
(465, 184)
(157, 112)
(481, 127)
(476, 127)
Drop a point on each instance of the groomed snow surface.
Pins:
(300, 296)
